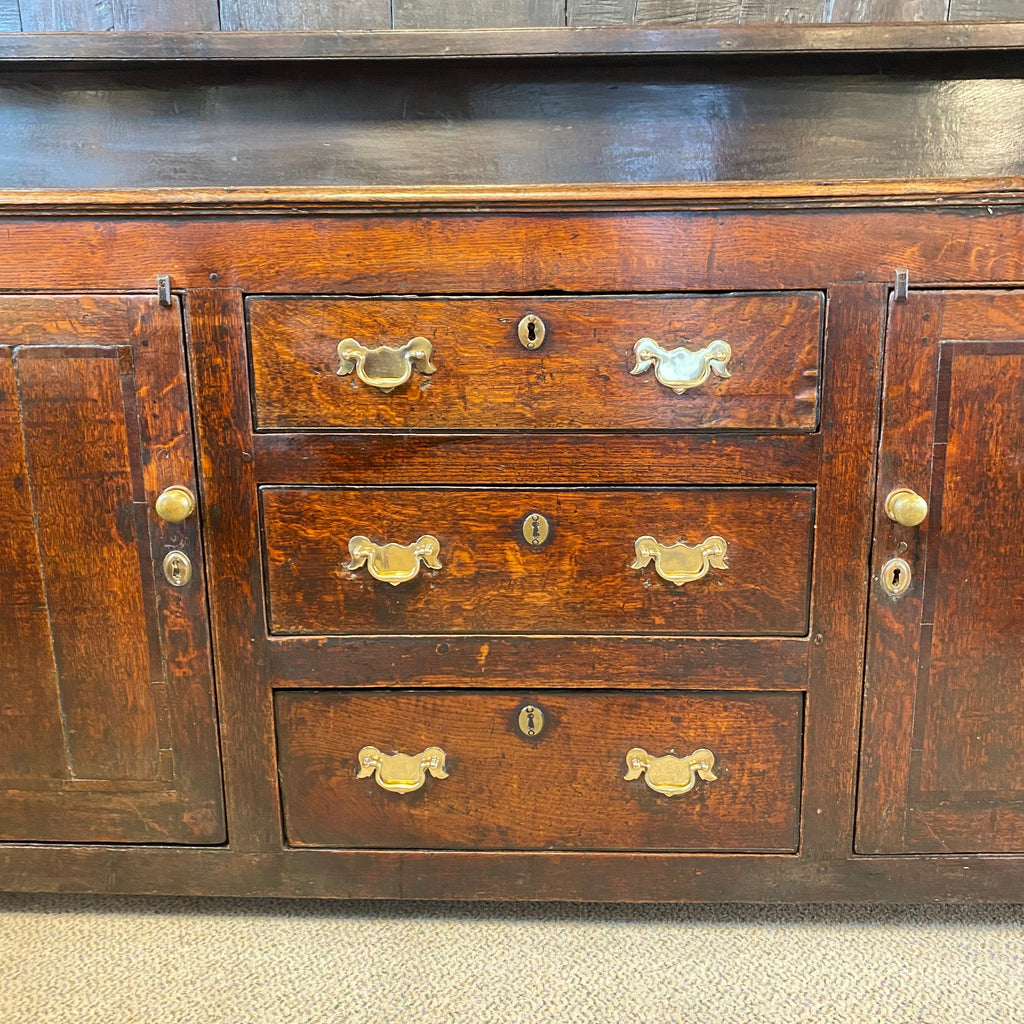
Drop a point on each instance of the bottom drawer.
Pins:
(468, 774)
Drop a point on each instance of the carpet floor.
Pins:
(143, 960)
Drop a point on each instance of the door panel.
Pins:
(108, 730)
(944, 714)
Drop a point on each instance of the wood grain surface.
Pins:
(580, 581)
(579, 379)
(110, 672)
(621, 123)
(561, 789)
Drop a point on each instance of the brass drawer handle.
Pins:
(394, 563)
(679, 368)
(680, 563)
(384, 367)
(670, 775)
(401, 773)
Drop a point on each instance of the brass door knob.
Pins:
(175, 504)
(906, 507)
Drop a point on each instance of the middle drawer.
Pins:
(687, 561)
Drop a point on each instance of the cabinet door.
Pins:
(943, 740)
(107, 730)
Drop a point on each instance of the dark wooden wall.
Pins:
(313, 15)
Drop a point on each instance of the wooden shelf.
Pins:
(84, 48)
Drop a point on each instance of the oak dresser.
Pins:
(380, 520)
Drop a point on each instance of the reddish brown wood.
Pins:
(850, 389)
(222, 413)
(648, 662)
(579, 581)
(668, 251)
(561, 789)
(579, 378)
(554, 458)
(96, 383)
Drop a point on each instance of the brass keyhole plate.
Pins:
(531, 720)
(896, 577)
(536, 529)
(531, 331)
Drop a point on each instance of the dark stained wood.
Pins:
(272, 126)
(775, 42)
(562, 789)
(579, 379)
(944, 682)
(91, 557)
(119, 15)
(648, 662)
(216, 332)
(905, 455)
(304, 15)
(111, 675)
(889, 10)
(31, 727)
(580, 581)
(567, 459)
(850, 393)
(682, 12)
(476, 14)
(983, 10)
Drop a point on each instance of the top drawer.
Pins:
(626, 362)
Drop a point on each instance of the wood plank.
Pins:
(67, 16)
(894, 636)
(304, 15)
(889, 10)
(10, 16)
(776, 43)
(984, 10)
(844, 503)
(574, 460)
(91, 554)
(31, 728)
(475, 14)
(682, 12)
(406, 129)
(216, 331)
(561, 789)
(582, 13)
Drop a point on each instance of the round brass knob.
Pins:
(906, 507)
(175, 504)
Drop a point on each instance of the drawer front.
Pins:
(487, 785)
(725, 561)
(587, 372)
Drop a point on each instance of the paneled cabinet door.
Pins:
(107, 729)
(943, 739)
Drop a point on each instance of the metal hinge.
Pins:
(902, 285)
(163, 289)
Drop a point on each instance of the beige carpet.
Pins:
(133, 960)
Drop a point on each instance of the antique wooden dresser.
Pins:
(576, 468)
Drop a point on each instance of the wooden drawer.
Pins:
(582, 579)
(580, 378)
(562, 788)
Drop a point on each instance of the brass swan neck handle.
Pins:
(670, 775)
(401, 773)
(394, 563)
(385, 368)
(680, 563)
(680, 368)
